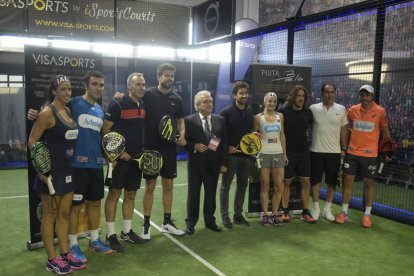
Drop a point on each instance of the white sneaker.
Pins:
(170, 228)
(146, 233)
(315, 213)
(327, 214)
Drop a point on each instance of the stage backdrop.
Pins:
(40, 65)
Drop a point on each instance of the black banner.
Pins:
(211, 20)
(40, 65)
(153, 22)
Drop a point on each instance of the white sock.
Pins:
(127, 226)
(94, 234)
(345, 208)
(110, 228)
(73, 240)
(328, 206)
(316, 205)
(367, 210)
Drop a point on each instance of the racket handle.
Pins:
(110, 168)
(50, 185)
(258, 163)
(380, 167)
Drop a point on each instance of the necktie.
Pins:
(207, 128)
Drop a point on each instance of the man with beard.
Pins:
(239, 121)
(160, 101)
(298, 118)
(366, 120)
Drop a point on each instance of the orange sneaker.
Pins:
(342, 218)
(308, 218)
(366, 221)
(285, 217)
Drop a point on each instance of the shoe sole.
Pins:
(174, 234)
(331, 220)
(58, 272)
(309, 222)
(102, 252)
(133, 242)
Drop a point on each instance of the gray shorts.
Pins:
(271, 160)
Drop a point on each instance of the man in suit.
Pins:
(206, 144)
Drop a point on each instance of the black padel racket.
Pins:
(41, 161)
(149, 162)
(168, 129)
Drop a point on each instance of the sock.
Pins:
(305, 211)
(94, 234)
(286, 211)
(146, 220)
(127, 226)
(316, 205)
(73, 240)
(345, 208)
(110, 228)
(328, 206)
(64, 254)
(167, 218)
(367, 210)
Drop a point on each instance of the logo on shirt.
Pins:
(364, 126)
(91, 122)
(273, 128)
(71, 134)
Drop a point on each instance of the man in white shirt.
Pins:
(329, 132)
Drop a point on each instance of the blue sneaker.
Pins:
(78, 254)
(58, 265)
(99, 247)
(74, 263)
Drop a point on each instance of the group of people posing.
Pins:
(72, 129)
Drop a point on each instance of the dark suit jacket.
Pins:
(194, 134)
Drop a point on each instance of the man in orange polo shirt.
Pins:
(366, 120)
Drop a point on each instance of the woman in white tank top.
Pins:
(272, 157)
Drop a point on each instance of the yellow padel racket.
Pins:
(250, 144)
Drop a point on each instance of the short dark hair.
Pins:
(293, 93)
(90, 74)
(165, 67)
(325, 84)
(239, 84)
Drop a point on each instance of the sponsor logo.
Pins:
(273, 128)
(212, 18)
(364, 126)
(69, 152)
(39, 5)
(82, 159)
(77, 197)
(76, 62)
(91, 122)
(69, 179)
(71, 134)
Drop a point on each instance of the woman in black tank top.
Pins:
(59, 132)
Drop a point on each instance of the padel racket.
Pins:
(113, 145)
(168, 129)
(250, 144)
(341, 174)
(149, 162)
(386, 149)
(41, 161)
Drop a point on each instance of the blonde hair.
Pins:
(268, 95)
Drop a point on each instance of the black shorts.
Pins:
(325, 163)
(169, 164)
(368, 166)
(89, 185)
(299, 165)
(126, 175)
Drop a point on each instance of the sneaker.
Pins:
(240, 220)
(265, 221)
(131, 237)
(327, 214)
(366, 221)
(308, 218)
(99, 246)
(170, 228)
(342, 218)
(78, 254)
(114, 244)
(73, 262)
(285, 217)
(58, 265)
(275, 220)
(227, 222)
(315, 213)
(146, 232)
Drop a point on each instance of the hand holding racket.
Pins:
(41, 161)
(149, 162)
(113, 145)
(168, 129)
(386, 150)
(249, 144)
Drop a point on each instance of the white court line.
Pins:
(185, 248)
(12, 197)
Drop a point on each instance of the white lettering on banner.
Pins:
(96, 12)
(270, 73)
(91, 122)
(39, 5)
(246, 44)
(364, 126)
(63, 61)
